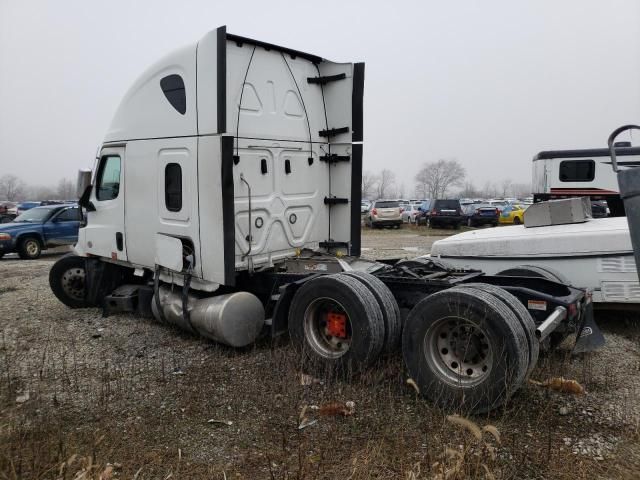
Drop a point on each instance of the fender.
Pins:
(30, 233)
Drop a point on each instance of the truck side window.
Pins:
(577, 170)
(173, 187)
(108, 184)
(69, 215)
(173, 89)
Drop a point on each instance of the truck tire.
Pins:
(388, 306)
(67, 281)
(535, 271)
(521, 313)
(465, 349)
(337, 324)
(29, 248)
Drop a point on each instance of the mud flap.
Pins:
(589, 336)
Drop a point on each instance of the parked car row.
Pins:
(40, 228)
(448, 212)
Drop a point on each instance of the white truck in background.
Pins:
(582, 173)
(226, 201)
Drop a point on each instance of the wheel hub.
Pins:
(32, 248)
(327, 328)
(458, 351)
(336, 325)
(73, 283)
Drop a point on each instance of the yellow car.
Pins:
(512, 215)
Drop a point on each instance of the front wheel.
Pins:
(517, 221)
(67, 280)
(30, 248)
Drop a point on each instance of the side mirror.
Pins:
(84, 199)
(84, 180)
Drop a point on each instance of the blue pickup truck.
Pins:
(40, 228)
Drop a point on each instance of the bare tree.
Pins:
(386, 184)
(66, 189)
(40, 192)
(488, 190)
(436, 178)
(400, 193)
(521, 190)
(11, 187)
(369, 184)
(469, 190)
(506, 187)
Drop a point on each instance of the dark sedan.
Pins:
(481, 214)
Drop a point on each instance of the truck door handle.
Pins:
(119, 243)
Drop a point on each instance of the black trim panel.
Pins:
(356, 198)
(222, 78)
(357, 100)
(269, 46)
(589, 152)
(228, 211)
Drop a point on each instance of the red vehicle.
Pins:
(7, 212)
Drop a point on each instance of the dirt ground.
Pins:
(83, 396)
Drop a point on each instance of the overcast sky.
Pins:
(490, 83)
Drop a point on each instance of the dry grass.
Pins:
(139, 400)
(151, 422)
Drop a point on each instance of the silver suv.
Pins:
(384, 213)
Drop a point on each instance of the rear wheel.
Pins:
(465, 349)
(521, 313)
(67, 280)
(29, 248)
(337, 324)
(388, 306)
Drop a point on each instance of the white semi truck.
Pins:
(226, 201)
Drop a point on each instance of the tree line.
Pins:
(15, 189)
(444, 178)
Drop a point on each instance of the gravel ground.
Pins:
(79, 392)
(406, 242)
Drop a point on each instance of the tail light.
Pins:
(434, 212)
(401, 209)
(497, 211)
(374, 212)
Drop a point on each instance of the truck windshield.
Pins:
(34, 215)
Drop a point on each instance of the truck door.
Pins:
(105, 234)
(62, 229)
